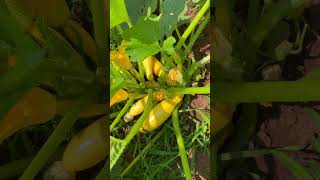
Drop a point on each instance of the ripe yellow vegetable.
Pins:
(81, 38)
(222, 115)
(121, 95)
(37, 107)
(148, 66)
(87, 148)
(160, 113)
(157, 67)
(136, 109)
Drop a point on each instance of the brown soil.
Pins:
(287, 125)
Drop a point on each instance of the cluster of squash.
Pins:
(163, 110)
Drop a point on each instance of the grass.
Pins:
(162, 159)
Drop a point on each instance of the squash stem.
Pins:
(280, 91)
(193, 24)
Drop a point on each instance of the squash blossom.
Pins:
(174, 76)
(120, 57)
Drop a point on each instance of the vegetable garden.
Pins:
(152, 80)
(260, 52)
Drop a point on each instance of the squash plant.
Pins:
(53, 69)
(241, 46)
(150, 73)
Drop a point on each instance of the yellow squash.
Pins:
(148, 66)
(136, 109)
(81, 38)
(37, 107)
(121, 95)
(160, 113)
(222, 115)
(87, 148)
(157, 67)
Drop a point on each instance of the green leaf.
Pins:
(313, 168)
(168, 45)
(117, 147)
(117, 81)
(147, 30)
(170, 15)
(138, 8)
(118, 13)
(139, 50)
(314, 115)
(298, 170)
(316, 144)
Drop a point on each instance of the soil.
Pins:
(286, 124)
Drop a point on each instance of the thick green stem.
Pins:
(100, 29)
(271, 18)
(195, 36)
(280, 91)
(122, 112)
(255, 153)
(193, 24)
(135, 129)
(182, 150)
(190, 90)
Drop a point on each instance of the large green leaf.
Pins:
(139, 51)
(172, 10)
(138, 8)
(117, 147)
(118, 13)
(147, 30)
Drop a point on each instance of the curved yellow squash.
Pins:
(160, 113)
(87, 148)
(121, 95)
(37, 107)
(222, 115)
(148, 66)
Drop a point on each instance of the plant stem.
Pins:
(190, 90)
(182, 150)
(255, 153)
(194, 37)
(280, 91)
(271, 18)
(144, 151)
(100, 30)
(135, 129)
(196, 66)
(124, 110)
(193, 24)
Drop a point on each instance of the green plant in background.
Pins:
(51, 66)
(240, 45)
(148, 65)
